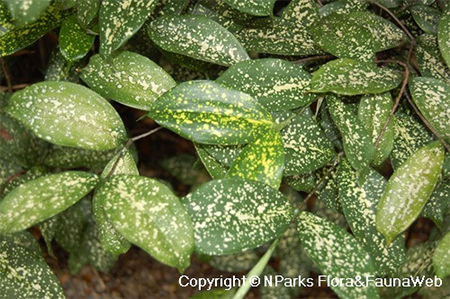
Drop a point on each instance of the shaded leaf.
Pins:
(432, 97)
(225, 154)
(232, 215)
(70, 157)
(429, 59)
(42, 198)
(441, 257)
(120, 20)
(47, 107)
(86, 11)
(26, 12)
(253, 7)
(426, 17)
(438, 204)
(328, 191)
(215, 169)
(184, 168)
(24, 239)
(149, 215)
(302, 12)
(197, 37)
(343, 7)
(74, 41)
(408, 190)
(129, 78)
(276, 84)
(444, 34)
(237, 262)
(205, 112)
(301, 182)
(323, 241)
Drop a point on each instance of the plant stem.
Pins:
(256, 271)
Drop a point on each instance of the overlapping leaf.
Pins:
(86, 11)
(197, 37)
(438, 204)
(47, 108)
(42, 198)
(408, 190)
(205, 112)
(232, 215)
(129, 78)
(215, 169)
(71, 157)
(444, 34)
(74, 41)
(253, 7)
(276, 84)
(429, 59)
(149, 215)
(426, 17)
(322, 241)
(441, 257)
(26, 12)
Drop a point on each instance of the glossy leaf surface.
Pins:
(426, 17)
(26, 12)
(74, 41)
(86, 11)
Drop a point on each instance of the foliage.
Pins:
(308, 117)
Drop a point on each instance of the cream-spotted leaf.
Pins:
(86, 11)
(150, 216)
(68, 114)
(302, 12)
(232, 215)
(373, 112)
(25, 12)
(215, 169)
(72, 157)
(74, 41)
(426, 17)
(359, 202)
(205, 112)
(441, 257)
(358, 146)
(322, 241)
(253, 7)
(408, 190)
(42, 198)
(350, 77)
(429, 59)
(277, 84)
(261, 160)
(432, 97)
(438, 204)
(343, 7)
(197, 37)
(120, 20)
(128, 78)
(444, 34)
(23, 274)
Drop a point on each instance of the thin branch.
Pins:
(7, 74)
(425, 121)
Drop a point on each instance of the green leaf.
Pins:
(444, 34)
(432, 97)
(350, 77)
(23, 274)
(129, 78)
(120, 20)
(306, 146)
(42, 198)
(215, 169)
(426, 17)
(276, 84)
(86, 11)
(429, 59)
(302, 12)
(301, 182)
(261, 160)
(26, 12)
(322, 241)
(343, 7)
(438, 204)
(358, 146)
(205, 112)
(373, 112)
(149, 215)
(359, 203)
(237, 262)
(6, 21)
(18, 38)
(223, 19)
(197, 37)
(441, 257)
(253, 7)
(232, 215)
(70, 157)
(47, 108)
(74, 41)
(408, 190)
(357, 35)
(24, 239)
(225, 154)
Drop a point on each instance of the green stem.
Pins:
(256, 271)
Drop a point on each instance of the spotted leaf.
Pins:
(42, 198)
(150, 216)
(408, 190)
(359, 202)
(120, 20)
(20, 37)
(276, 84)
(253, 7)
(197, 37)
(86, 11)
(47, 108)
(129, 78)
(205, 112)
(322, 241)
(357, 35)
(444, 34)
(343, 7)
(215, 169)
(74, 41)
(25, 12)
(438, 204)
(23, 274)
(358, 146)
(432, 97)
(373, 112)
(426, 17)
(232, 215)
(261, 160)
(237, 262)
(429, 59)
(351, 77)
(441, 257)
(71, 157)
